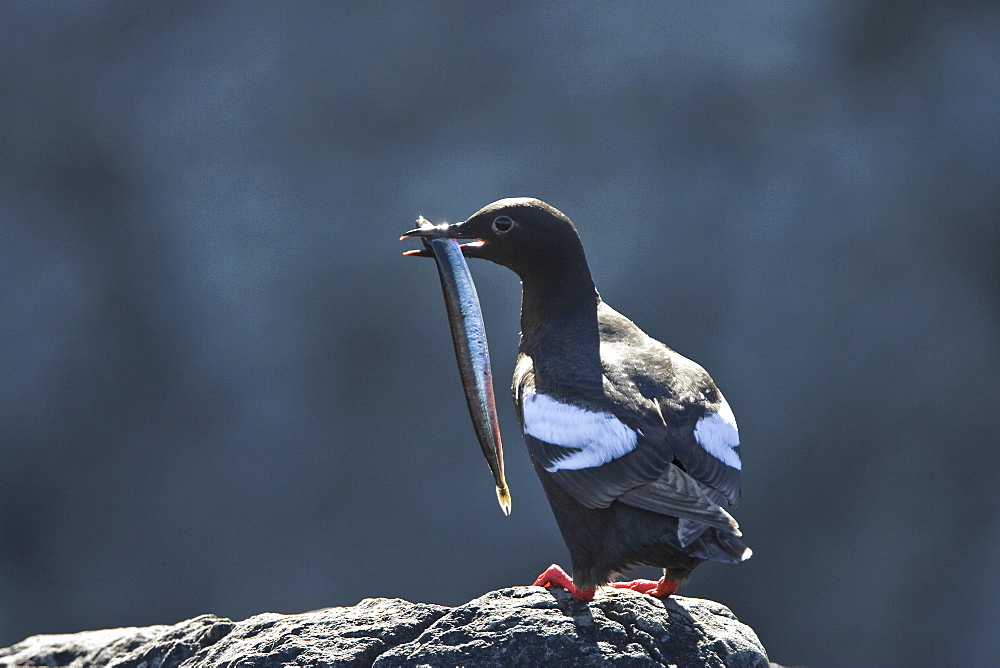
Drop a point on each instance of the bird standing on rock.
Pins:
(636, 448)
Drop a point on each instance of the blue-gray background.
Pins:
(224, 390)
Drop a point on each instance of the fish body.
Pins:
(468, 332)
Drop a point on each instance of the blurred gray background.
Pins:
(224, 390)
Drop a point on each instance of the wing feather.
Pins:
(661, 395)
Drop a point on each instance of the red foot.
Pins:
(661, 589)
(555, 575)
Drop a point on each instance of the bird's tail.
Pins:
(719, 545)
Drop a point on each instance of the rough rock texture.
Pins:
(520, 626)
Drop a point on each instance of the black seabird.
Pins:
(636, 448)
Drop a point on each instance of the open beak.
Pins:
(468, 333)
(428, 230)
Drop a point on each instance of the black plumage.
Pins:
(634, 444)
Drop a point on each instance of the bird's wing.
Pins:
(657, 435)
(677, 494)
(709, 451)
(591, 453)
(686, 413)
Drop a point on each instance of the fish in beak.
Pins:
(468, 334)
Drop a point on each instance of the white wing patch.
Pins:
(718, 435)
(600, 437)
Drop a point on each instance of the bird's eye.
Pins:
(502, 224)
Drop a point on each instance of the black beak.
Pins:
(428, 230)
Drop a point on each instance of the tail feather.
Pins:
(717, 545)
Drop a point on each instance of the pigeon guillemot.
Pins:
(636, 448)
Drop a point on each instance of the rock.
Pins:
(520, 626)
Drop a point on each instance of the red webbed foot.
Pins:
(660, 589)
(555, 576)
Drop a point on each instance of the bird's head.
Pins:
(521, 233)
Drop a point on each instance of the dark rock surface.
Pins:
(520, 626)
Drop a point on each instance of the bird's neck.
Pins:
(559, 329)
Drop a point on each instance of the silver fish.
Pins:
(468, 333)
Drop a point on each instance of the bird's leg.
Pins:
(660, 589)
(555, 575)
